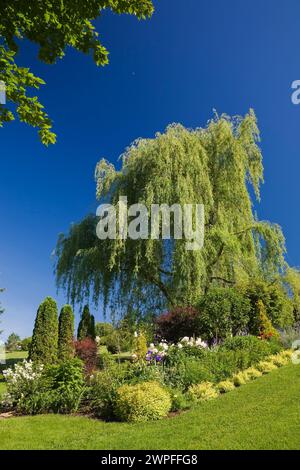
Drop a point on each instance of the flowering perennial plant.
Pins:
(21, 381)
(157, 353)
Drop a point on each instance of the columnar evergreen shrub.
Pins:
(86, 326)
(66, 333)
(278, 305)
(265, 327)
(140, 346)
(44, 342)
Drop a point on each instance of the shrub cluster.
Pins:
(33, 388)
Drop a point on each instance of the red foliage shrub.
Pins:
(177, 323)
(86, 350)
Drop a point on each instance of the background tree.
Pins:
(86, 326)
(66, 333)
(44, 343)
(216, 166)
(52, 25)
(13, 342)
(25, 343)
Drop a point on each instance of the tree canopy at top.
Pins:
(53, 25)
(216, 166)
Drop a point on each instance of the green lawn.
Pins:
(264, 414)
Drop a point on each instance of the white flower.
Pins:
(151, 346)
(186, 339)
(134, 356)
(97, 339)
(201, 343)
(135, 334)
(155, 350)
(180, 346)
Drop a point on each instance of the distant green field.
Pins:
(263, 414)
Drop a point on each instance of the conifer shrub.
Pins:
(66, 348)
(86, 326)
(44, 344)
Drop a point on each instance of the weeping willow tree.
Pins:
(219, 166)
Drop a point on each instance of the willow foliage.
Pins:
(216, 166)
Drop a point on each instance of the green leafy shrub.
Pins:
(223, 312)
(202, 392)
(180, 400)
(225, 386)
(103, 329)
(67, 386)
(142, 402)
(256, 348)
(119, 341)
(101, 394)
(142, 372)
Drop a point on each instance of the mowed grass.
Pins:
(264, 414)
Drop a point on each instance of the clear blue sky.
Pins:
(191, 57)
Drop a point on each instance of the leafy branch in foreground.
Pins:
(53, 26)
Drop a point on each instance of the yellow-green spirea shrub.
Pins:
(239, 379)
(287, 353)
(225, 386)
(252, 373)
(266, 366)
(142, 402)
(202, 392)
(279, 360)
